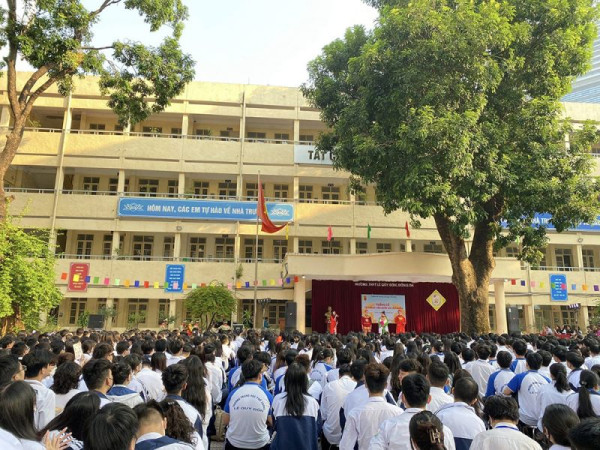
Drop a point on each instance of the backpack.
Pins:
(219, 430)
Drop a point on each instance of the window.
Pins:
(224, 248)
(252, 190)
(331, 247)
(433, 247)
(227, 190)
(97, 127)
(282, 138)
(102, 305)
(588, 258)
(107, 246)
(384, 247)
(203, 133)
(225, 134)
(163, 310)
(249, 245)
(512, 252)
(151, 131)
(142, 247)
(305, 246)
(279, 249)
(197, 247)
(362, 248)
(413, 247)
(84, 244)
(168, 246)
(90, 184)
(176, 133)
(542, 265)
(172, 188)
(330, 193)
(276, 311)
(564, 258)
(306, 193)
(281, 191)
(76, 309)
(148, 188)
(306, 139)
(137, 312)
(118, 129)
(113, 184)
(201, 189)
(255, 136)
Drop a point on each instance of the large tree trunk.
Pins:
(471, 273)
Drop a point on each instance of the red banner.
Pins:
(77, 275)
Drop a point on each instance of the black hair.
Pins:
(376, 376)
(251, 369)
(19, 348)
(520, 347)
(178, 425)
(427, 431)
(9, 367)
(120, 372)
(559, 373)
(410, 365)
(133, 360)
(174, 377)
(415, 389)
(546, 357)
(483, 351)
(66, 377)
(290, 356)
(158, 361)
(296, 387)
(95, 373)
(575, 359)
(147, 346)
(468, 354)
(113, 427)
(243, 353)
(175, 346)
(498, 407)
(263, 357)
(122, 346)
(558, 420)
(344, 356)
(57, 346)
(587, 380)
(17, 402)
(160, 346)
(452, 362)
(195, 391)
(102, 350)
(77, 415)
(438, 374)
(466, 390)
(344, 370)
(148, 412)
(35, 362)
(504, 359)
(586, 435)
(534, 360)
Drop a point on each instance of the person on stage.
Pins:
(400, 321)
(367, 323)
(328, 315)
(333, 323)
(383, 323)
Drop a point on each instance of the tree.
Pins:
(26, 277)
(54, 37)
(208, 304)
(451, 108)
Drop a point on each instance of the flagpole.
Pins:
(256, 255)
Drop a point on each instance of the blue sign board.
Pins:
(546, 221)
(174, 277)
(173, 208)
(558, 288)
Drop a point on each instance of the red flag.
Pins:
(263, 215)
(407, 230)
(329, 234)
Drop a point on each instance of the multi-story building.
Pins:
(127, 204)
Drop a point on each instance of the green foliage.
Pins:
(26, 275)
(83, 318)
(166, 318)
(210, 303)
(135, 319)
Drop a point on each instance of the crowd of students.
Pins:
(286, 391)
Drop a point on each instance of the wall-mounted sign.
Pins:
(77, 276)
(308, 154)
(174, 277)
(173, 208)
(558, 288)
(544, 220)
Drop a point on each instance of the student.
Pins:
(66, 381)
(11, 369)
(574, 363)
(344, 356)
(481, 369)
(37, 368)
(460, 416)
(426, 432)
(114, 428)
(519, 364)
(98, 378)
(323, 366)
(546, 362)
(557, 422)
(499, 379)
(178, 426)
(197, 392)
(289, 357)
(527, 385)
(438, 376)
(296, 414)
(394, 434)
(594, 357)
(119, 392)
(244, 353)
(151, 382)
(216, 374)
(332, 400)
(586, 435)
(363, 421)
(135, 362)
(586, 401)
(152, 424)
(556, 392)
(176, 351)
(246, 411)
(503, 413)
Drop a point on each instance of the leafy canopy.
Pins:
(451, 108)
(208, 304)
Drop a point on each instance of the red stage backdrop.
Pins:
(345, 298)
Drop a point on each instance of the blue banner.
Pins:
(174, 277)
(558, 288)
(173, 208)
(545, 220)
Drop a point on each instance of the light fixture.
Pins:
(179, 228)
(580, 240)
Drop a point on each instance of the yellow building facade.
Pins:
(81, 175)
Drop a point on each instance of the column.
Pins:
(185, 125)
(300, 300)
(408, 245)
(583, 318)
(5, 117)
(181, 184)
(296, 188)
(116, 244)
(239, 188)
(110, 304)
(296, 130)
(296, 244)
(579, 255)
(353, 246)
(177, 247)
(501, 323)
(121, 182)
(173, 308)
(529, 318)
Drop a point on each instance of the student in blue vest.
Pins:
(152, 424)
(518, 364)
(296, 414)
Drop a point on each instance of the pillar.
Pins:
(181, 184)
(296, 130)
(579, 256)
(296, 188)
(500, 306)
(173, 308)
(529, 318)
(110, 303)
(583, 318)
(300, 300)
(121, 182)
(5, 117)
(177, 247)
(353, 246)
(296, 244)
(408, 245)
(185, 124)
(116, 245)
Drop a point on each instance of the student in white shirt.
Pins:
(98, 378)
(322, 367)
(176, 352)
(546, 362)
(216, 374)
(594, 359)
(426, 432)
(332, 401)
(344, 356)
(151, 382)
(481, 369)
(586, 435)
(37, 363)
(499, 379)
(556, 392)
(11, 369)
(575, 362)
(197, 392)
(586, 402)
(113, 427)
(152, 424)
(66, 380)
(119, 392)
(437, 375)
(394, 434)
(519, 364)
(363, 421)
(557, 422)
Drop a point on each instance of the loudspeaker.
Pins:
(96, 321)
(290, 316)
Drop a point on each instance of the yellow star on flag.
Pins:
(436, 300)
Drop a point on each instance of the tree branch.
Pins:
(97, 48)
(11, 62)
(39, 91)
(30, 83)
(103, 6)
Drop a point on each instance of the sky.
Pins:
(266, 42)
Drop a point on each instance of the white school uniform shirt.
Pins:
(439, 398)
(462, 421)
(332, 401)
(216, 377)
(332, 375)
(248, 407)
(548, 395)
(527, 385)
(358, 397)
(574, 377)
(498, 381)
(61, 400)
(173, 359)
(8, 441)
(152, 383)
(545, 371)
(518, 365)
(45, 402)
(195, 420)
(319, 373)
(481, 370)
(363, 422)
(591, 361)
(573, 401)
(393, 434)
(505, 436)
